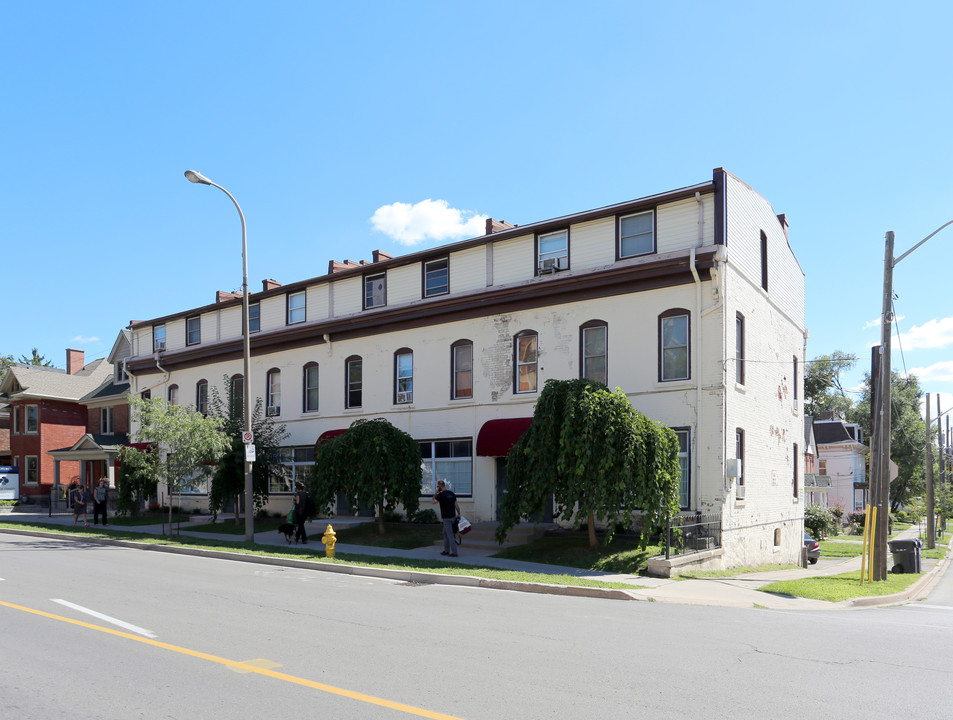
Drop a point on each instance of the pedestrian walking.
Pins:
(302, 509)
(99, 501)
(80, 498)
(449, 512)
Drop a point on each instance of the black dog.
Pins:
(288, 530)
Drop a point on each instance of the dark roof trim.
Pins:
(618, 279)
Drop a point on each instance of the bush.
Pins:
(857, 518)
(820, 522)
(424, 517)
(392, 516)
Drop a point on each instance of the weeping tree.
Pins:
(228, 480)
(137, 483)
(373, 462)
(594, 455)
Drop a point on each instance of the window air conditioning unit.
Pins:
(273, 411)
(405, 397)
(547, 266)
(733, 468)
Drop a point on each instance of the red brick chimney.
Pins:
(75, 359)
(268, 284)
(495, 226)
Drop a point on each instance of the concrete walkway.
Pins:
(737, 591)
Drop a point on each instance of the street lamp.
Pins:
(880, 470)
(196, 177)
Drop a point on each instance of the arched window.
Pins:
(201, 396)
(674, 350)
(594, 351)
(526, 362)
(403, 376)
(353, 381)
(173, 395)
(236, 395)
(309, 384)
(273, 392)
(461, 369)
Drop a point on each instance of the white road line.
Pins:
(106, 618)
(933, 607)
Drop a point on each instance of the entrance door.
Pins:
(547, 514)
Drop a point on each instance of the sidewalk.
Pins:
(737, 591)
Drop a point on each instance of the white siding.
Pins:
(592, 244)
(348, 296)
(513, 260)
(318, 302)
(273, 312)
(678, 224)
(468, 269)
(403, 284)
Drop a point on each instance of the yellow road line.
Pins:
(249, 667)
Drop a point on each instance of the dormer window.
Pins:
(158, 338)
(375, 291)
(552, 252)
(637, 234)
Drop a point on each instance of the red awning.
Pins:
(498, 436)
(330, 435)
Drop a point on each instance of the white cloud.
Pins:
(427, 220)
(82, 339)
(876, 323)
(938, 372)
(931, 335)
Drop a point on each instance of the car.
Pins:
(813, 548)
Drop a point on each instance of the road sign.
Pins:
(247, 437)
(250, 453)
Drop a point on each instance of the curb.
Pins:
(409, 576)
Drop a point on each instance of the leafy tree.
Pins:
(35, 359)
(188, 443)
(5, 362)
(136, 482)
(228, 481)
(820, 522)
(823, 391)
(591, 451)
(907, 432)
(372, 462)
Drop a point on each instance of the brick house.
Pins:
(45, 415)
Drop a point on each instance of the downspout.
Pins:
(698, 338)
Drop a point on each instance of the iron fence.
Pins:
(687, 534)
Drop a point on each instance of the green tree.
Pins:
(35, 359)
(228, 480)
(373, 462)
(136, 481)
(594, 455)
(823, 391)
(187, 443)
(907, 432)
(5, 362)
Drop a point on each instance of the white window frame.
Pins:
(521, 363)
(452, 465)
(254, 317)
(158, 338)
(193, 330)
(403, 377)
(273, 392)
(295, 465)
(297, 307)
(375, 297)
(685, 466)
(639, 237)
(308, 387)
(444, 287)
(667, 372)
(34, 411)
(106, 416)
(555, 250)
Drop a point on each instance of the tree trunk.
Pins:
(380, 517)
(238, 516)
(592, 530)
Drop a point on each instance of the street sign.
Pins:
(247, 437)
(250, 453)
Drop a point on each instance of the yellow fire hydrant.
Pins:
(329, 539)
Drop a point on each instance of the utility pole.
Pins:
(874, 480)
(931, 499)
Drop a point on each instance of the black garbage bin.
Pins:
(906, 555)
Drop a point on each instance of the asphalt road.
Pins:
(183, 637)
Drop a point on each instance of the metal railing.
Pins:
(687, 534)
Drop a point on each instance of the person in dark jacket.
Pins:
(99, 501)
(300, 514)
(449, 512)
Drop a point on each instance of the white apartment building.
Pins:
(691, 300)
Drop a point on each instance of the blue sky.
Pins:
(346, 127)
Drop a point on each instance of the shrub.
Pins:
(857, 518)
(819, 522)
(424, 517)
(392, 516)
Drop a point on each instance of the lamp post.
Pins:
(196, 177)
(881, 468)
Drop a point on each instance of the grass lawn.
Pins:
(404, 536)
(147, 519)
(699, 574)
(841, 548)
(835, 588)
(316, 555)
(227, 525)
(622, 555)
